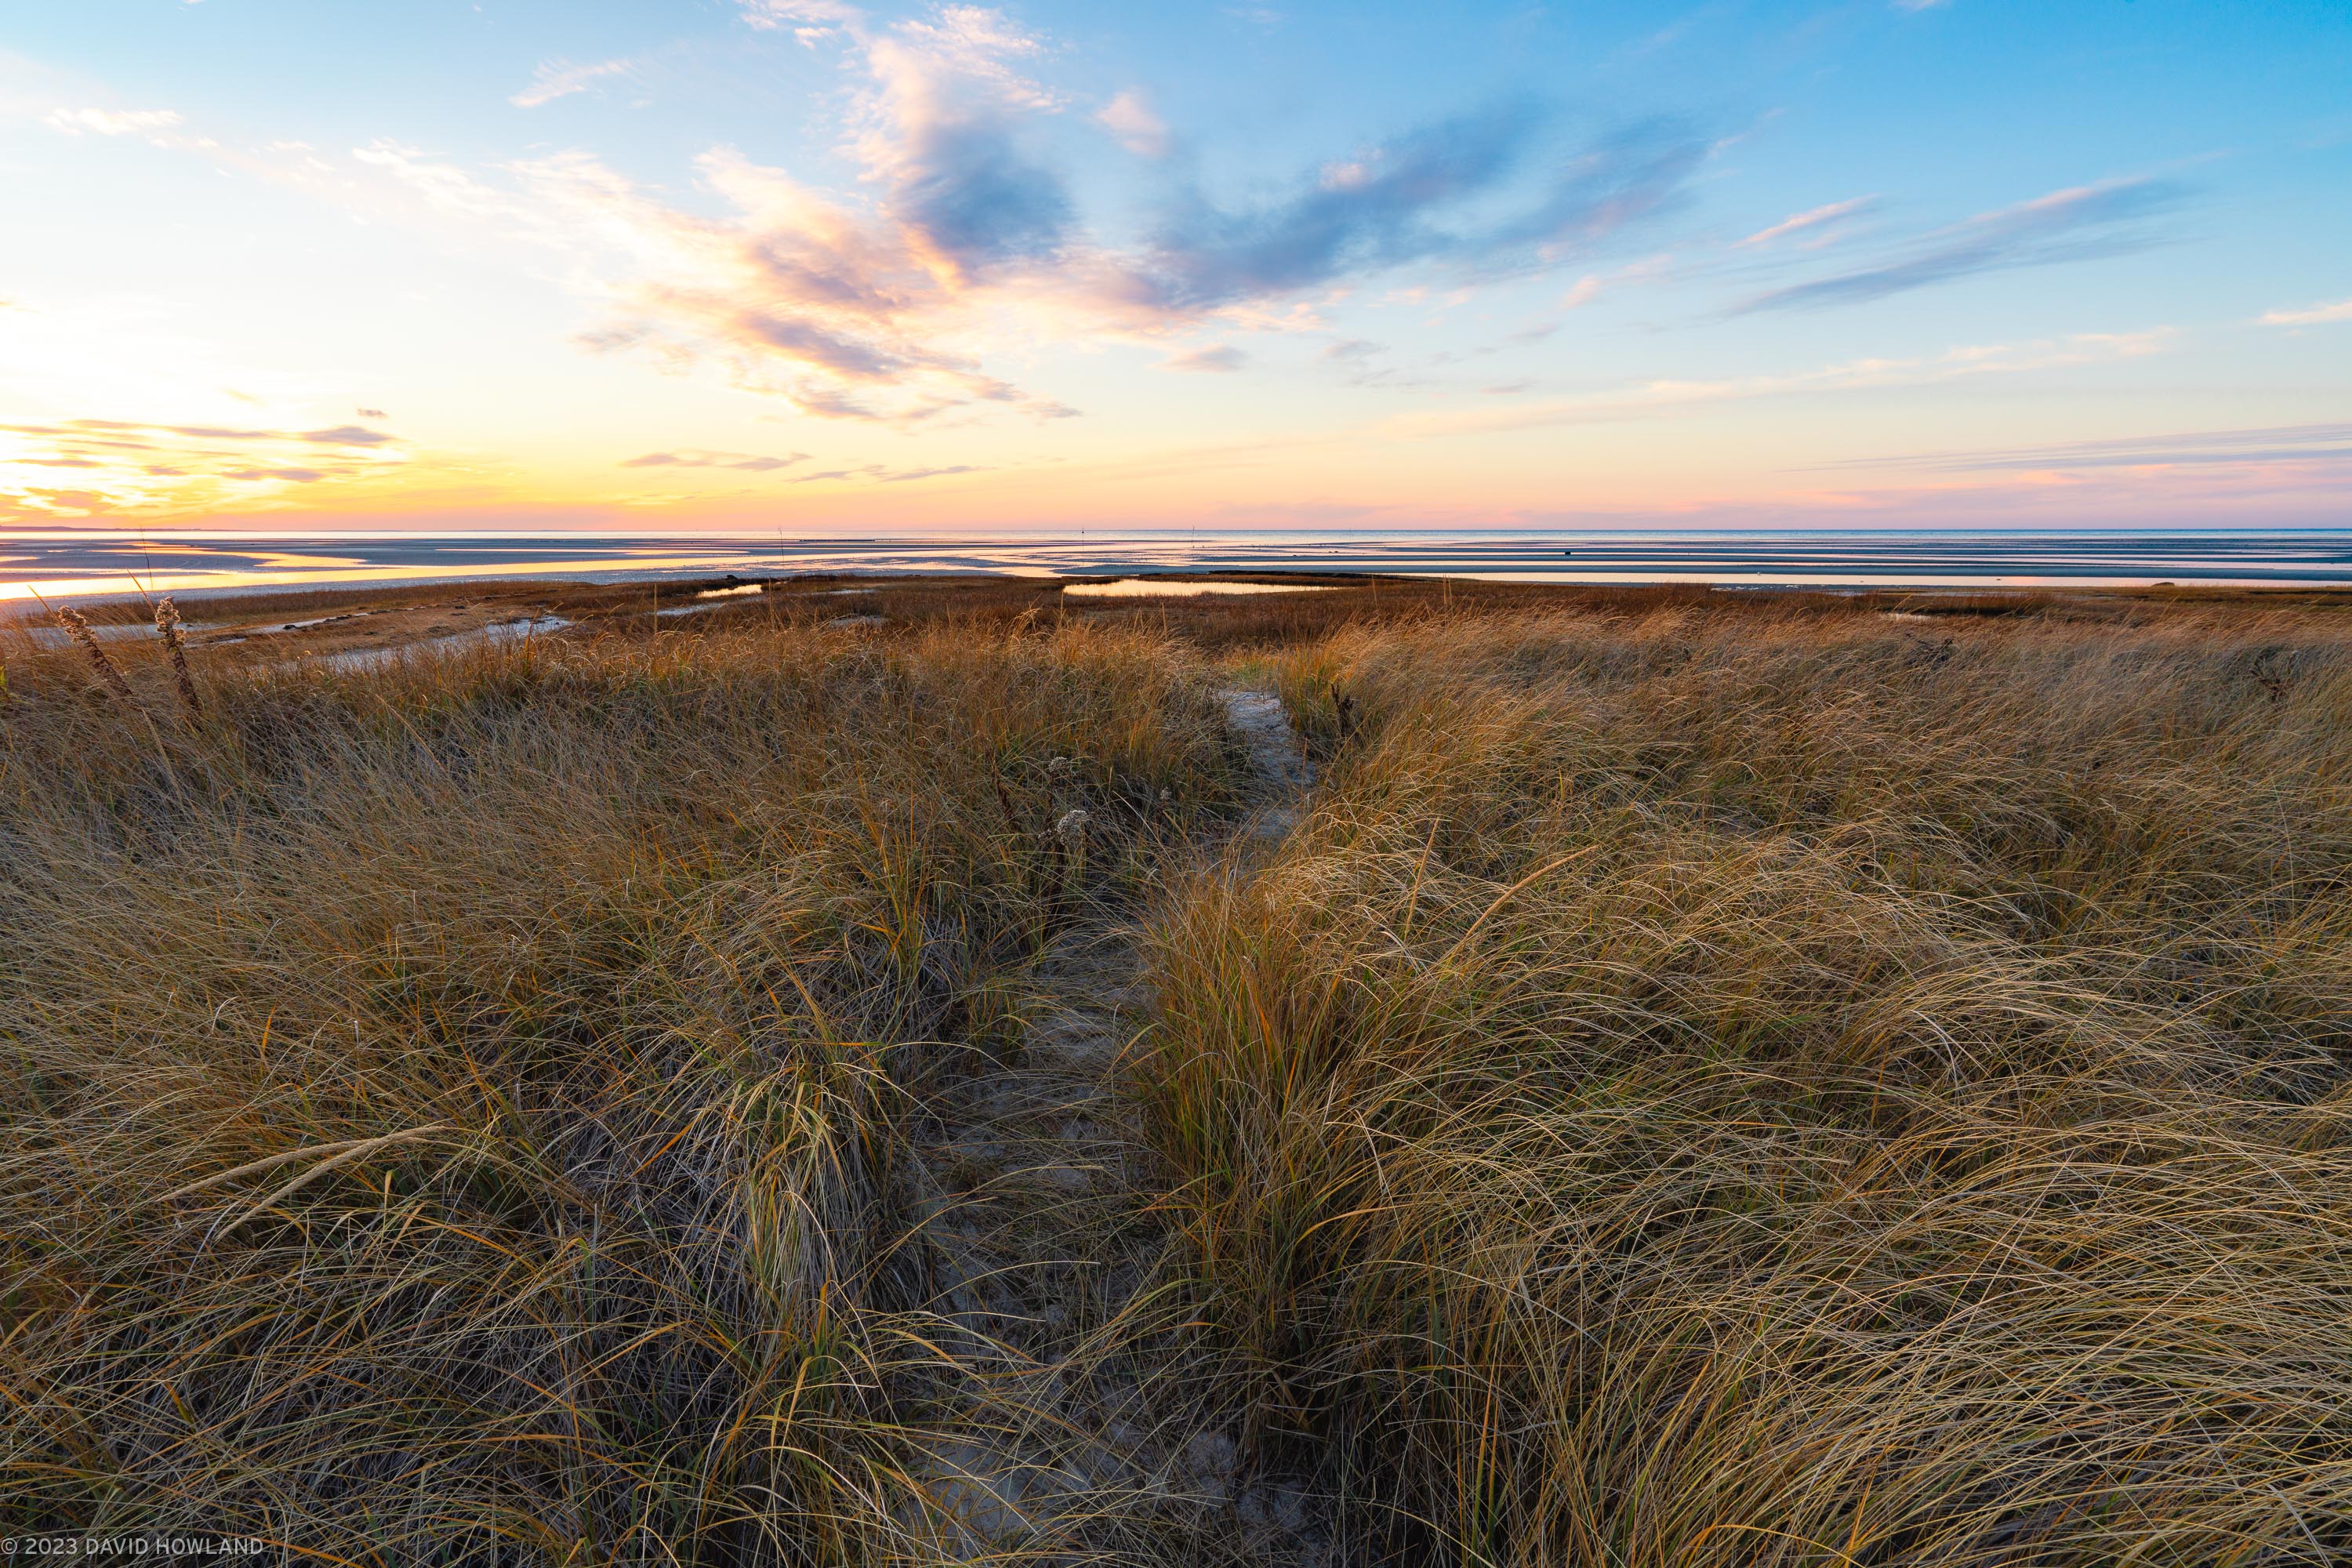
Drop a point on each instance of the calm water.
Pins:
(64, 564)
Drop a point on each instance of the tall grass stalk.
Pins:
(77, 628)
(176, 641)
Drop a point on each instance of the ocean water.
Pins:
(81, 563)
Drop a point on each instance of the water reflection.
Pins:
(515, 631)
(66, 563)
(1165, 588)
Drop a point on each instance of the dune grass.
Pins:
(457, 1113)
(1710, 1090)
(1703, 1081)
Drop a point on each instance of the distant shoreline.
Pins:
(80, 565)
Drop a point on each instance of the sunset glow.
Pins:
(732, 267)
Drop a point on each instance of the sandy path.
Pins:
(1086, 1449)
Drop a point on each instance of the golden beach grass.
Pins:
(1708, 1088)
(1703, 1081)
(454, 1112)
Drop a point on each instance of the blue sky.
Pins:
(755, 263)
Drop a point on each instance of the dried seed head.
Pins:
(175, 637)
(1072, 827)
(78, 629)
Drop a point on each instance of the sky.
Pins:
(814, 269)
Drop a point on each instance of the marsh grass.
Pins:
(1710, 1088)
(459, 1113)
(1709, 1078)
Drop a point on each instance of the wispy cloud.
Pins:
(111, 122)
(959, 241)
(441, 186)
(1420, 198)
(943, 123)
(129, 465)
(1592, 285)
(887, 307)
(1130, 119)
(1651, 398)
(797, 14)
(559, 78)
(126, 432)
(903, 476)
(845, 315)
(2087, 221)
(1582, 292)
(2309, 315)
(879, 474)
(2196, 449)
(1813, 218)
(851, 310)
(695, 458)
(1220, 357)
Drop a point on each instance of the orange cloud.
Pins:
(129, 467)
